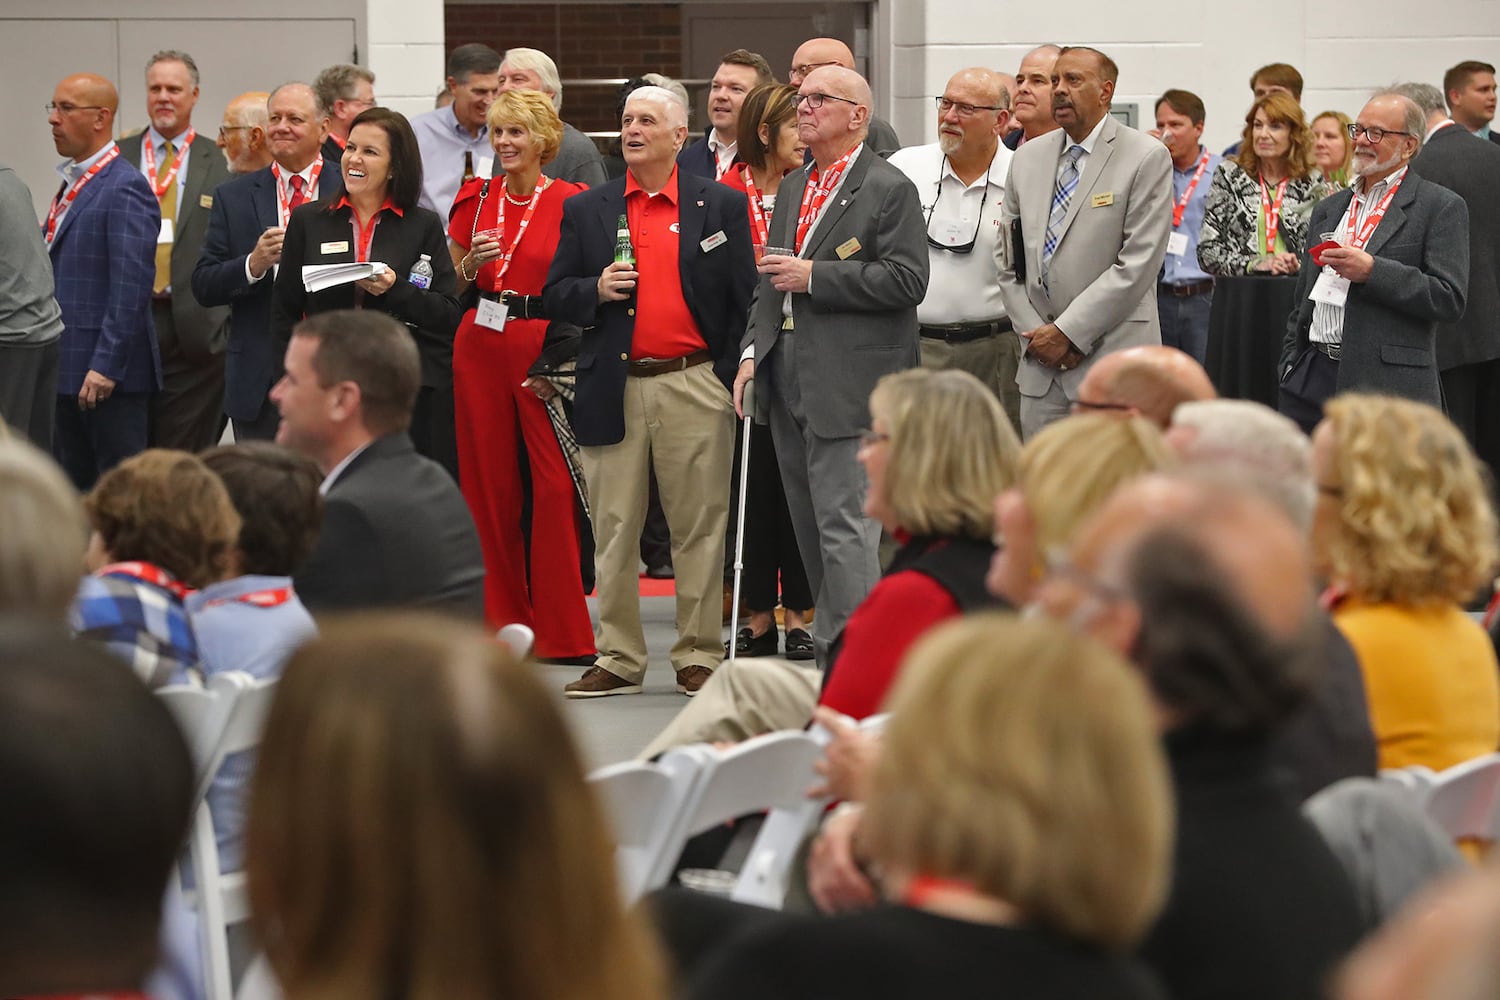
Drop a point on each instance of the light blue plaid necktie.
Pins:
(1067, 183)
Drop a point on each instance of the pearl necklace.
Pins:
(523, 202)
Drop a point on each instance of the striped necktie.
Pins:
(1067, 183)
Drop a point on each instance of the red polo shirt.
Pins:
(664, 327)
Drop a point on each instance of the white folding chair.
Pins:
(519, 638)
(1465, 799)
(202, 713)
(643, 802)
(1416, 781)
(220, 898)
(770, 772)
(259, 982)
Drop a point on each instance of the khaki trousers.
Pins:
(746, 698)
(682, 425)
(993, 360)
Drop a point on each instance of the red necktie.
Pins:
(297, 196)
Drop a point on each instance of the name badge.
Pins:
(1330, 289)
(848, 248)
(335, 246)
(491, 314)
(205, 201)
(716, 240)
(165, 234)
(952, 234)
(1176, 244)
(1104, 200)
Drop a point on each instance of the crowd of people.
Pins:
(1124, 629)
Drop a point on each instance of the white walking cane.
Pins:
(747, 405)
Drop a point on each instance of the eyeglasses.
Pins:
(959, 248)
(1060, 567)
(869, 439)
(68, 109)
(807, 68)
(964, 110)
(1084, 406)
(815, 101)
(225, 129)
(1375, 134)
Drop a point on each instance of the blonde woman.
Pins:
(1333, 149)
(1405, 535)
(997, 781)
(420, 827)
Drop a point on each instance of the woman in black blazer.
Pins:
(376, 218)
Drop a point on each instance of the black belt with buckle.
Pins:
(1330, 351)
(517, 306)
(962, 333)
(651, 366)
(1188, 290)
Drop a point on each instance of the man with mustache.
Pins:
(1400, 269)
(961, 182)
(739, 72)
(183, 169)
(1084, 232)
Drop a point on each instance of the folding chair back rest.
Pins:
(643, 803)
(202, 713)
(1465, 799)
(768, 772)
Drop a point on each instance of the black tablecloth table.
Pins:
(1245, 331)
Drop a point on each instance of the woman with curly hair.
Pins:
(1256, 216)
(1404, 534)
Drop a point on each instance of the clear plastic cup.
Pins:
(713, 881)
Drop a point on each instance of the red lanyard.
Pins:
(757, 211)
(819, 187)
(1187, 195)
(502, 263)
(59, 204)
(1373, 219)
(921, 888)
(150, 157)
(147, 573)
(257, 598)
(1272, 212)
(283, 199)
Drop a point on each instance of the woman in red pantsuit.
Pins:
(504, 233)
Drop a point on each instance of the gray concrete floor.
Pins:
(617, 728)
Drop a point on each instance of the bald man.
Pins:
(242, 135)
(829, 319)
(960, 180)
(818, 52)
(101, 232)
(1150, 381)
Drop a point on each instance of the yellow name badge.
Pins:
(342, 246)
(848, 248)
(1105, 199)
(205, 201)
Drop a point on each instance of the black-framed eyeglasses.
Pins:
(815, 101)
(68, 109)
(958, 248)
(226, 129)
(1375, 133)
(964, 110)
(869, 439)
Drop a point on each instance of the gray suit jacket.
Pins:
(859, 320)
(202, 331)
(1468, 166)
(1421, 251)
(1101, 285)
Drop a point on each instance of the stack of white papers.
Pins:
(316, 277)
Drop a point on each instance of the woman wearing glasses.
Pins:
(769, 149)
(1260, 201)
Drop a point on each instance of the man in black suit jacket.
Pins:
(243, 245)
(1468, 351)
(654, 394)
(188, 411)
(739, 72)
(396, 531)
(1469, 89)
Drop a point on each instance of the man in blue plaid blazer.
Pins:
(101, 232)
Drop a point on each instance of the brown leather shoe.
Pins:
(597, 682)
(691, 679)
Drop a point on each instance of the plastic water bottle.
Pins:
(421, 272)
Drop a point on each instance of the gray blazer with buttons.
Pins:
(1421, 278)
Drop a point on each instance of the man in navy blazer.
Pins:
(243, 245)
(659, 347)
(101, 233)
(739, 72)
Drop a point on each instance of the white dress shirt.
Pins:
(1328, 320)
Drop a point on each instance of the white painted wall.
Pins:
(1211, 48)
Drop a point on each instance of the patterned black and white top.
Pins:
(1230, 242)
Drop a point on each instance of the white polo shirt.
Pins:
(963, 288)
